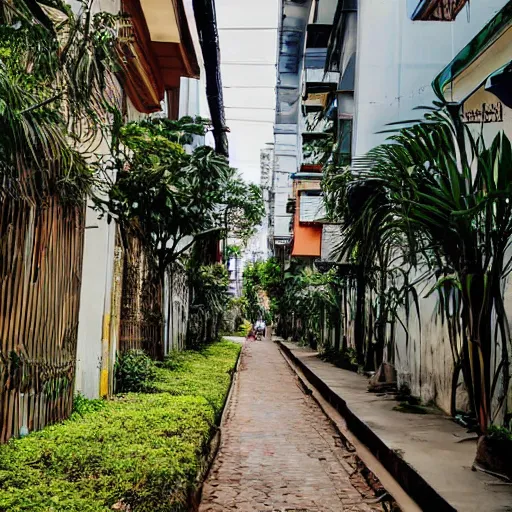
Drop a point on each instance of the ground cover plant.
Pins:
(139, 452)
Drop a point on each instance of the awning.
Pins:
(499, 83)
(483, 56)
(435, 10)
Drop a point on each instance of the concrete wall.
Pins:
(94, 301)
(94, 328)
(397, 59)
(97, 274)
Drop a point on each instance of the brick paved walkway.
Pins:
(279, 452)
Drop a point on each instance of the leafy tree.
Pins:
(171, 196)
(252, 291)
(166, 194)
(209, 285)
(242, 209)
(263, 278)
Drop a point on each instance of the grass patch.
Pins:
(140, 451)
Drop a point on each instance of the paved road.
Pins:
(279, 452)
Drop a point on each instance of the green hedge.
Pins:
(140, 452)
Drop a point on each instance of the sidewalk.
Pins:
(420, 451)
(278, 450)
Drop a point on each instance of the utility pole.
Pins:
(206, 23)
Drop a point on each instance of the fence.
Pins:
(141, 321)
(177, 305)
(40, 277)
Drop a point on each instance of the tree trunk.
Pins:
(337, 333)
(479, 337)
(359, 320)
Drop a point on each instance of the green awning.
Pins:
(480, 43)
(499, 83)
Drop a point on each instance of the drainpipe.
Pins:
(206, 23)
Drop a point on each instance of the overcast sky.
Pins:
(248, 34)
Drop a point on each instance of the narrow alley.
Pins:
(279, 451)
(255, 255)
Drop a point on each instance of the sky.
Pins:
(248, 38)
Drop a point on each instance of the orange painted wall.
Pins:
(307, 238)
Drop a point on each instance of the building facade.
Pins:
(367, 66)
(160, 78)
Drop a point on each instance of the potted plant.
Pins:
(494, 452)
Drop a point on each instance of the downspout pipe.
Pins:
(206, 23)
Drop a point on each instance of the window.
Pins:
(312, 207)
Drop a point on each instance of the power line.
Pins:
(249, 86)
(252, 29)
(243, 63)
(251, 121)
(253, 108)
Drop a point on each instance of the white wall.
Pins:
(97, 274)
(397, 59)
(96, 287)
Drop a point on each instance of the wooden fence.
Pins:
(41, 250)
(141, 322)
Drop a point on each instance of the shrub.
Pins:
(135, 371)
(346, 359)
(244, 329)
(175, 360)
(139, 452)
(83, 405)
(499, 433)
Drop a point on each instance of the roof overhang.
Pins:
(435, 10)
(157, 51)
(488, 52)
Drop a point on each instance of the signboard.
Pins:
(485, 113)
(318, 99)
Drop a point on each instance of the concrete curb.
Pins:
(215, 443)
(411, 481)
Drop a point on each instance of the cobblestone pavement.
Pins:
(279, 451)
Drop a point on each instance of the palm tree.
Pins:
(439, 197)
(53, 75)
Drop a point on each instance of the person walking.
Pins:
(260, 327)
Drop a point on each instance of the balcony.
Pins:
(312, 208)
(315, 58)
